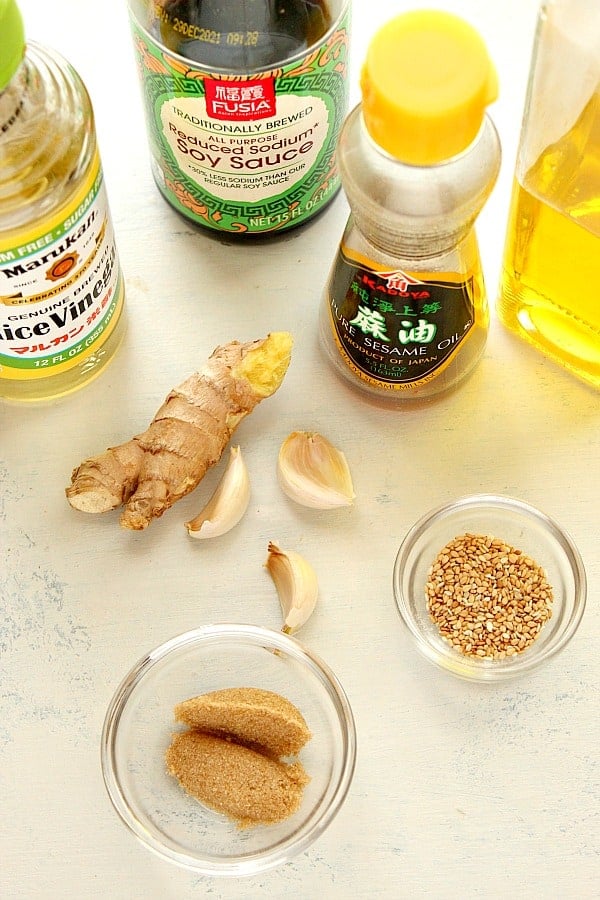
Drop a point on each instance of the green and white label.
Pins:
(61, 288)
(240, 153)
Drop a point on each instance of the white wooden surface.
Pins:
(460, 790)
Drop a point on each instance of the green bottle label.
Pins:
(394, 328)
(246, 154)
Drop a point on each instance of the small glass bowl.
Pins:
(523, 527)
(138, 727)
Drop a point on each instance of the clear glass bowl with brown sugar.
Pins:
(140, 723)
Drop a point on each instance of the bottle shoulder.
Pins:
(47, 141)
(407, 199)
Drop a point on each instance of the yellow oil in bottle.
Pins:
(550, 288)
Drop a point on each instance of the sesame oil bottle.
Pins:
(404, 315)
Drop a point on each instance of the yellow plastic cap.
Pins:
(426, 82)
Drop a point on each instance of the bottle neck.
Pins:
(419, 211)
(237, 37)
(46, 137)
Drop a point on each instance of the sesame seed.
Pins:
(488, 599)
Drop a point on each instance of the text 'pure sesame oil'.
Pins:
(550, 284)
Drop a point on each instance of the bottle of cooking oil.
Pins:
(61, 287)
(244, 103)
(404, 316)
(551, 272)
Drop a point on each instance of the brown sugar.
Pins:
(252, 716)
(245, 785)
(231, 756)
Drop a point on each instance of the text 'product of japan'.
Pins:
(550, 286)
(404, 315)
(61, 287)
(244, 103)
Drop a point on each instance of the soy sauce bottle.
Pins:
(244, 104)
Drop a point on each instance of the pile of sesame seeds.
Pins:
(488, 599)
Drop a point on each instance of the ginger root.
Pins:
(187, 436)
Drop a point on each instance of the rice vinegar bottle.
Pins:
(61, 287)
(404, 316)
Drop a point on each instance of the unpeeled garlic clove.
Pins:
(313, 472)
(296, 584)
(228, 503)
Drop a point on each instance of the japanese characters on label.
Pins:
(393, 328)
(60, 293)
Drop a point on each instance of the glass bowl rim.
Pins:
(515, 665)
(286, 850)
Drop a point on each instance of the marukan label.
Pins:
(228, 101)
(60, 287)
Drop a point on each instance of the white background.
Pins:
(460, 790)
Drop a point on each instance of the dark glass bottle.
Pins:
(244, 104)
(240, 36)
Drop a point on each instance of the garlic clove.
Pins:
(296, 584)
(314, 473)
(228, 503)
